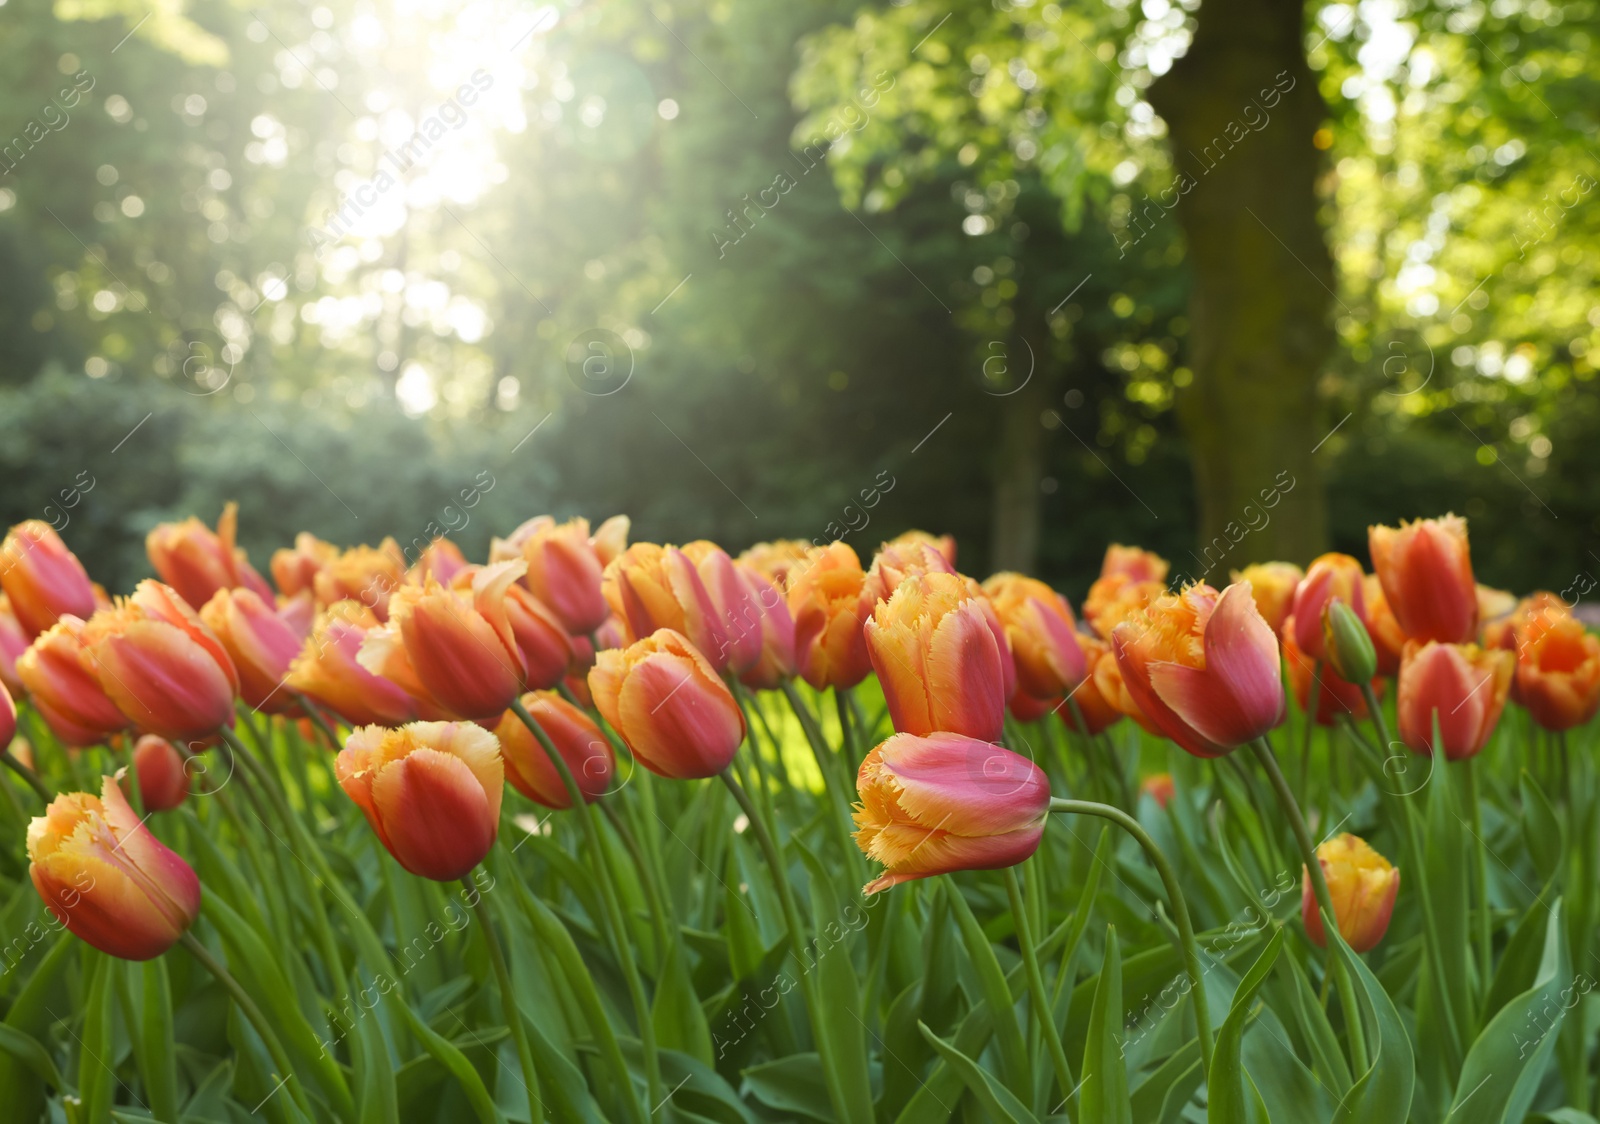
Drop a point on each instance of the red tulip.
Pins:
(583, 747)
(1464, 685)
(1558, 675)
(163, 780)
(1426, 570)
(1330, 575)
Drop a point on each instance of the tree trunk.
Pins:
(1241, 108)
(1019, 460)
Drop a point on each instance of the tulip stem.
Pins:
(251, 1012)
(28, 775)
(1041, 996)
(831, 783)
(608, 896)
(1180, 908)
(652, 894)
(508, 998)
(1319, 887)
(318, 719)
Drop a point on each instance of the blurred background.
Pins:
(1228, 279)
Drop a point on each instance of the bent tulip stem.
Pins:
(608, 895)
(251, 1012)
(508, 999)
(28, 775)
(1319, 887)
(1041, 995)
(1175, 898)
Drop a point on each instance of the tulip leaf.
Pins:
(1382, 1095)
(377, 1101)
(1327, 1060)
(1161, 1097)
(999, 1103)
(30, 1014)
(1446, 869)
(1506, 1064)
(26, 1049)
(1230, 1096)
(96, 1080)
(147, 1010)
(1103, 1090)
(992, 982)
(1540, 828)
(793, 1085)
(835, 994)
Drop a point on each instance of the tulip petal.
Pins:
(965, 786)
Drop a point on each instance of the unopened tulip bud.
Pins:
(107, 878)
(1350, 652)
(430, 790)
(1362, 886)
(670, 706)
(163, 780)
(1329, 576)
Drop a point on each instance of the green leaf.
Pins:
(835, 992)
(377, 1100)
(1103, 1091)
(1230, 1098)
(1161, 1097)
(992, 983)
(795, 1085)
(96, 1080)
(1383, 1094)
(1000, 1104)
(1540, 827)
(27, 1050)
(1327, 1059)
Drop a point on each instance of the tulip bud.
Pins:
(107, 878)
(196, 561)
(42, 578)
(1462, 684)
(328, 669)
(1426, 570)
(157, 660)
(668, 703)
(1334, 696)
(163, 780)
(1349, 647)
(260, 642)
(942, 803)
(430, 790)
(1362, 886)
(584, 749)
(62, 685)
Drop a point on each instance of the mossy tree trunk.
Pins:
(1242, 107)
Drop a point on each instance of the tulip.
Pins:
(107, 878)
(1334, 696)
(451, 647)
(1134, 562)
(547, 650)
(1130, 579)
(734, 602)
(942, 803)
(295, 571)
(1041, 631)
(564, 571)
(1091, 697)
(1273, 585)
(1387, 639)
(13, 642)
(163, 780)
(1159, 788)
(944, 544)
(937, 659)
(261, 643)
(441, 559)
(1425, 567)
(509, 549)
(1330, 575)
(776, 560)
(63, 687)
(162, 666)
(1351, 654)
(651, 587)
(328, 670)
(588, 755)
(776, 664)
(430, 790)
(1558, 675)
(611, 539)
(42, 579)
(1204, 668)
(1494, 604)
(1463, 685)
(367, 574)
(904, 558)
(1362, 885)
(831, 601)
(1516, 630)
(668, 703)
(196, 561)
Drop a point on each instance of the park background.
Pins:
(1229, 280)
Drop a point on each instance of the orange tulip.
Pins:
(107, 878)
(735, 605)
(1426, 570)
(1362, 886)
(430, 790)
(42, 578)
(1041, 631)
(547, 650)
(1273, 585)
(1387, 639)
(441, 559)
(1330, 575)
(1558, 675)
(564, 572)
(452, 647)
(651, 587)
(1517, 630)
(1204, 668)
(938, 660)
(1091, 695)
(942, 803)
(329, 671)
(196, 561)
(63, 687)
(368, 574)
(1463, 684)
(13, 642)
(1130, 579)
(157, 660)
(776, 560)
(831, 601)
(296, 570)
(904, 558)
(611, 539)
(666, 700)
(776, 664)
(1334, 695)
(587, 753)
(260, 642)
(944, 544)
(1159, 787)
(163, 780)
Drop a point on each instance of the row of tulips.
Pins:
(570, 656)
